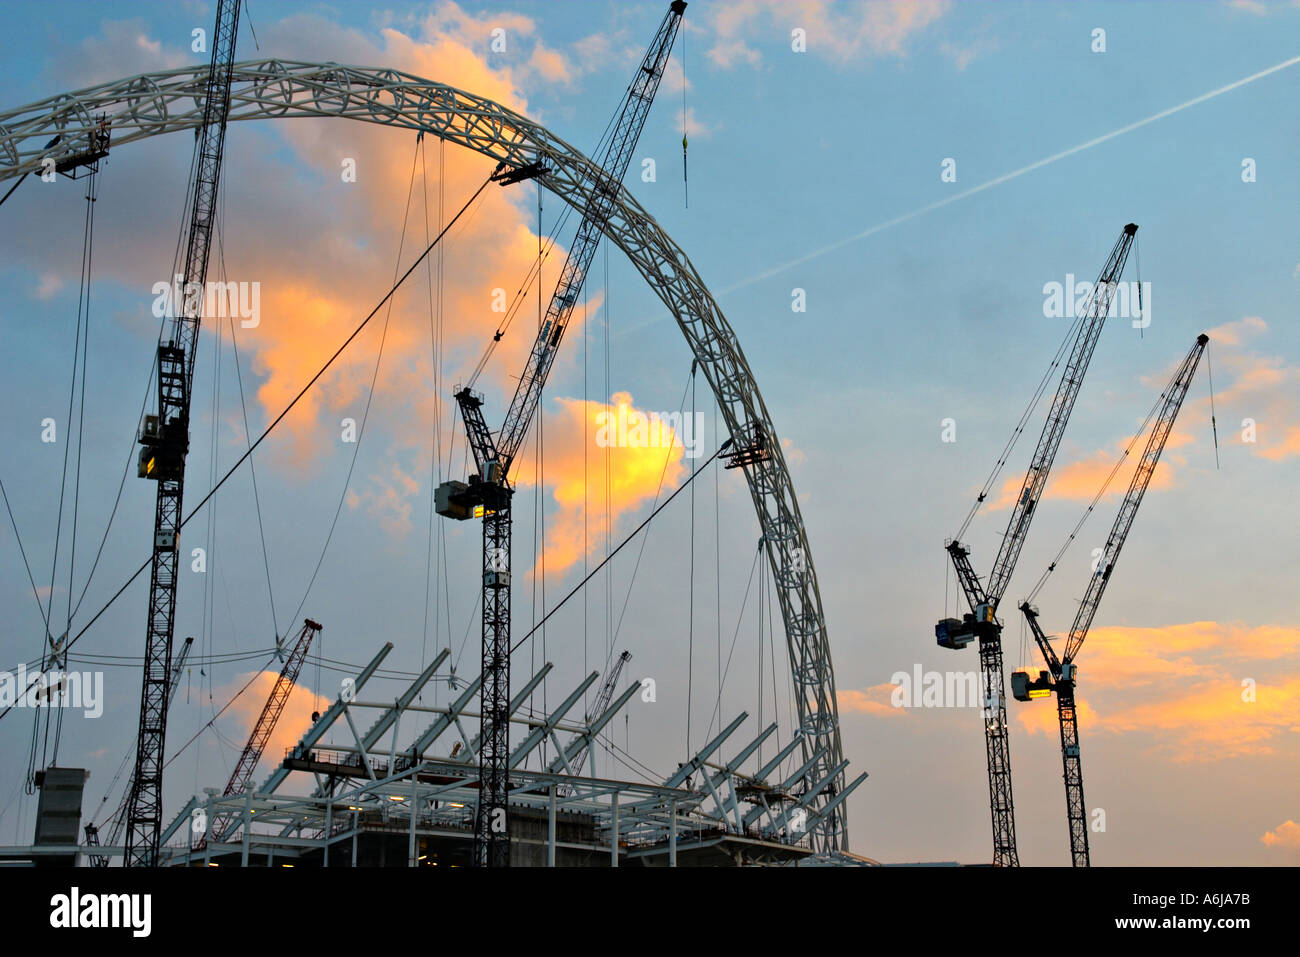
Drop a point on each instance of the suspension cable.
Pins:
(279, 418)
(1020, 425)
(1042, 579)
(631, 535)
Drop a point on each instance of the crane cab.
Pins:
(955, 633)
(1025, 687)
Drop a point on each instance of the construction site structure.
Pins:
(164, 444)
(267, 720)
(487, 494)
(403, 793)
(982, 622)
(1061, 676)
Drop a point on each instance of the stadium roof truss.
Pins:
(425, 784)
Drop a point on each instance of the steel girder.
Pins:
(169, 101)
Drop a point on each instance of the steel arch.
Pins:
(168, 101)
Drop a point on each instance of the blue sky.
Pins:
(938, 316)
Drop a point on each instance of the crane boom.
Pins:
(1031, 490)
(488, 493)
(612, 163)
(602, 704)
(165, 442)
(265, 724)
(982, 622)
(1063, 674)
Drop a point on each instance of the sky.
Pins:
(879, 214)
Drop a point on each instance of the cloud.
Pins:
(793, 454)
(48, 286)
(874, 700)
(1211, 721)
(692, 126)
(1233, 333)
(964, 54)
(581, 437)
(319, 280)
(1185, 687)
(1081, 479)
(1260, 406)
(121, 43)
(1286, 836)
(244, 712)
(1262, 394)
(1040, 716)
(840, 32)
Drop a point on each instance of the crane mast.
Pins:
(488, 493)
(119, 816)
(164, 443)
(982, 621)
(1061, 676)
(265, 724)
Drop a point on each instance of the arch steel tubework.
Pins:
(169, 101)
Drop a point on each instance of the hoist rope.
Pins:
(1020, 425)
(1042, 579)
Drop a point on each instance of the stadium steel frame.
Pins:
(169, 101)
(377, 784)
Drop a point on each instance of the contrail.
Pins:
(998, 181)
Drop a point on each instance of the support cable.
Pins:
(365, 415)
(278, 419)
(631, 535)
(1214, 424)
(1042, 579)
(1020, 425)
(740, 619)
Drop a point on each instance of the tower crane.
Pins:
(982, 621)
(602, 705)
(1061, 676)
(165, 441)
(488, 492)
(119, 816)
(265, 724)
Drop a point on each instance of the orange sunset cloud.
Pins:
(578, 438)
(293, 722)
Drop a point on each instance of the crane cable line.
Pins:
(365, 415)
(740, 620)
(1214, 424)
(52, 648)
(211, 723)
(631, 535)
(388, 295)
(609, 653)
(1087, 512)
(534, 270)
(1020, 425)
(248, 437)
(144, 401)
(1109, 478)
